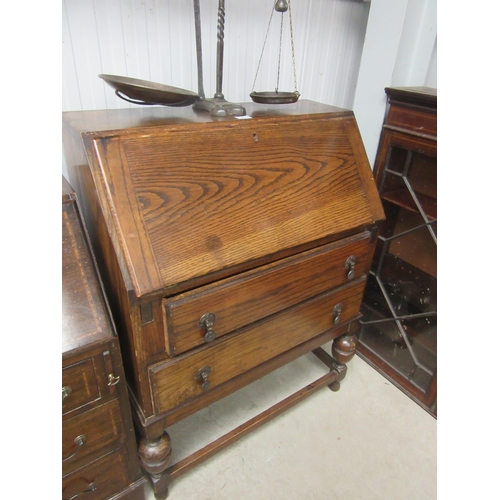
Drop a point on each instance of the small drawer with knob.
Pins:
(88, 380)
(99, 480)
(200, 316)
(182, 378)
(80, 384)
(89, 435)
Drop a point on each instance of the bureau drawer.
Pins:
(80, 385)
(99, 480)
(251, 296)
(91, 434)
(175, 381)
(421, 122)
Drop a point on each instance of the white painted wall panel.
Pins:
(431, 77)
(400, 49)
(377, 65)
(155, 40)
(416, 44)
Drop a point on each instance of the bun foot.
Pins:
(335, 386)
(343, 350)
(155, 456)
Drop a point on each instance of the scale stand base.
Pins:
(220, 107)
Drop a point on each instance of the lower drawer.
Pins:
(178, 380)
(91, 434)
(100, 479)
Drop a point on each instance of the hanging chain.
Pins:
(279, 57)
(293, 49)
(263, 47)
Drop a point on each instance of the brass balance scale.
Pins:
(144, 92)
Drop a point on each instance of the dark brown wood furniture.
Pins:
(399, 326)
(99, 451)
(228, 246)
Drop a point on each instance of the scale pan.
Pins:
(274, 97)
(149, 93)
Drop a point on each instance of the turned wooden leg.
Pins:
(343, 349)
(155, 454)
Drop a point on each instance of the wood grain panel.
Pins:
(215, 197)
(119, 192)
(174, 382)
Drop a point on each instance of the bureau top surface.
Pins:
(185, 195)
(154, 116)
(84, 313)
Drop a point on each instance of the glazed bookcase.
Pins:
(399, 326)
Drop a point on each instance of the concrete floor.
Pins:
(368, 441)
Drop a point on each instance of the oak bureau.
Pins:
(228, 248)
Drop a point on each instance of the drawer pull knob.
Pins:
(112, 380)
(202, 375)
(207, 323)
(79, 442)
(66, 391)
(336, 313)
(91, 487)
(349, 265)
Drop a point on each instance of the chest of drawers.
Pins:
(99, 452)
(228, 248)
